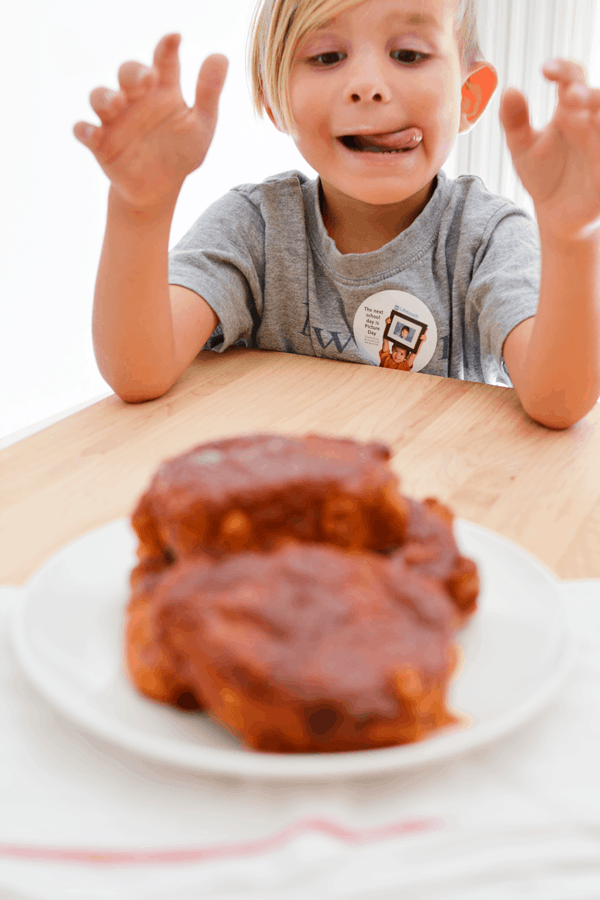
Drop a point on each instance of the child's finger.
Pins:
(514, 116)
(570, 77)
(581, 96)
(87, 134)
(210, 84)
(573, 126)
(575, 113)
(565, 70)
(107, 104)
(166, 60)
(136, 79)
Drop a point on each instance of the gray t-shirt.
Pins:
(464, 274)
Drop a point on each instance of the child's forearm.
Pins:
(132, 321)
(560, 379)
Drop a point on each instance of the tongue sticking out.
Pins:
(396, 140)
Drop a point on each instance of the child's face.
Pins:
(399, 354)
(364, 83)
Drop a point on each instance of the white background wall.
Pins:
(54, 194)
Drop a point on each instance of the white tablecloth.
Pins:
(82, 820)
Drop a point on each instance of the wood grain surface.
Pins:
(470, 445)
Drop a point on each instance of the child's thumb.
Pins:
(210, 84)
(514, 116)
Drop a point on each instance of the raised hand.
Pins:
(149, 139)
(559, 166)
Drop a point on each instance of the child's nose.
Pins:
(367, 81)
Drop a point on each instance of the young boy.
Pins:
(373, 93)
(398, 357)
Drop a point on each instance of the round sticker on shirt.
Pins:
(396, 330)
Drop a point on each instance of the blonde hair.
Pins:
(466, 18)
(278, 27)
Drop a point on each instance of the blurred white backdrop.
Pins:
(54, 197)
(54, 193)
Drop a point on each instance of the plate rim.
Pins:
(296, 767)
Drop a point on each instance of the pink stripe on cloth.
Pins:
(221, 851)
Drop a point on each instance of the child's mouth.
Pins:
(393, 142)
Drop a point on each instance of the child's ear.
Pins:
(477, 91)
(270, 114)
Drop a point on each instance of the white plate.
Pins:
(67, 633)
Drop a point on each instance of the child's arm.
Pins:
(421, 342)
(554, 358)
(146, 332)
(385, 346)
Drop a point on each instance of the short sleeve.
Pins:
(221, 258)
(503, 290)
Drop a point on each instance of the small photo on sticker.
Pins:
(404, 330)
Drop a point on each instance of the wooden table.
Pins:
(468, 444)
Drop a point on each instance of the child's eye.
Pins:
(408, 56)
(327, 59)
